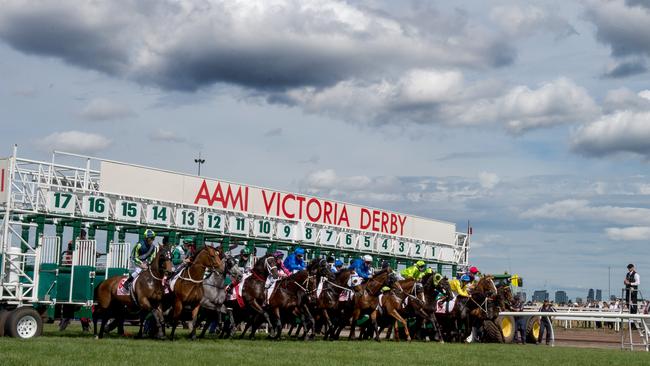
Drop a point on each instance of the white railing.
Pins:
(85, 253)
(50, 249)
(118, 255)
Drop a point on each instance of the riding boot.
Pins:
(128, 282)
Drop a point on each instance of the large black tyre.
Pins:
(507, 325)
(24, 323)
(532, 329)
(492, 332)
(4, 315)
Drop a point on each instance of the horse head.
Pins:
(265, 265)
(486, 286)
(505, 298)
(231, 268)
(209, 258)
(162, 263)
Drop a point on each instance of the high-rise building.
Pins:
(540, 295)
(522, 296)
(599, 295)
(561, 297)
(590, 295)
(579, 300)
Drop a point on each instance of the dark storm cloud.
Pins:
(624, 26)
(187, 45)
(625, 69)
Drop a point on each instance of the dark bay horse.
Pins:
(469, 312)
(253, 295)
(148, 290)
(329, 301)
(188, 289)
(214, 296)
(366, 299)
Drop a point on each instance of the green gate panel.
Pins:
(112, 272)
(47, 278)
(63, 284)
(83, 286)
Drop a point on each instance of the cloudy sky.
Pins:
(531, 119)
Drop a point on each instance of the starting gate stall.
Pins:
(37, 198)
(117, 260)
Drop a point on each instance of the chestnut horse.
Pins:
(148, 291)
(366, 299)
(188, 289)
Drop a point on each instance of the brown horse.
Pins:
(391, 306)
(188, 289)
(328, 301)
(253, 294)
(366, 299)
(148, 291)
(470, 312)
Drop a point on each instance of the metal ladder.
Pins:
(640, 325)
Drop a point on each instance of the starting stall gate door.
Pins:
(77, 278)
(49, 268)
(117, 260)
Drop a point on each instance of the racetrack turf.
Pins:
(74, 348)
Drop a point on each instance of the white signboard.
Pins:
(401, 247)
(174, 187)
(127, 211)
(328, 237)
(214, 222)
(95, 206)
(309, 234)
(61, 202)
(367, 243)
(238, 225)
(4, 179)
(285, 231)
(187, 219)
(263, 228)
(385, 245)
(158, 215)
(348, 241)
(418, 250)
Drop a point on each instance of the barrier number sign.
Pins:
(127, 211)
(238, 225)
(430, 252)
(328, 237)
(214, 222)
(262, 228)
(94, 206)
(158, 215)
(309, 234)
(284, 231)
(348, 240)
(418, 250)
(385, 245)
(401, 247)
(61, 202)
(366, 242)
(188, 219)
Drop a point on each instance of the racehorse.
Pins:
(214, 296)
(147, 295)
(253, 295)
(366, 299)
(292, 295)
(469, 312)
(188, 289)
(329, 300)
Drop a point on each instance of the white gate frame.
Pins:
(84, 254)
(118, 255)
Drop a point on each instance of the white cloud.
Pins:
(101, 109)
(619, 132)
(524, 20)
(328, 179)
(74, 142)
(161, 135)
(582, 210)
(488, 180)
(629, 233)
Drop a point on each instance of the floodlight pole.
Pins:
(199, 161)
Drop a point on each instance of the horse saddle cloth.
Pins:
(172, 283)
(345, 295)
(443, 307)
(355, 281)
(121, 291)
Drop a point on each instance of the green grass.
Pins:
(74, 348)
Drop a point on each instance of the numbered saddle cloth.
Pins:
(319, 288)
(443, 307)
(355, 280)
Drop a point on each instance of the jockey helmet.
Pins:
(278, 254)
(420, 263)
(299, 251)
(437, 278)
(473, 270)
(385, 288)
(246, 251)
(465, 278)
(149, 234)
(367, 258)
(338, 263)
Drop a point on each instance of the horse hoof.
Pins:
(96, 337)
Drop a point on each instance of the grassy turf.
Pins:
(75, 348)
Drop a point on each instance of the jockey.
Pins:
(473, 273)
(189, 251)
(245, 260)
(416, 272)
(282, 273)
(294, 262)
(142, 255)
(363, 267)
(338, 266)
(177, 255)
(330, 264)
(460, 287)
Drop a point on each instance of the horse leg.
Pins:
(96, 313)
(195, 322)
(355, 316)
(278, 324)
(436, 326)
(104, 319)
(176, 313)
(396, 330)
(399, 318)
(160, 322)
(373, 318)
(143, 315)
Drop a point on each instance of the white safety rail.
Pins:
(642, 322)
(50, 249)
(17, 284)
(85, 253)
(118, 255)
